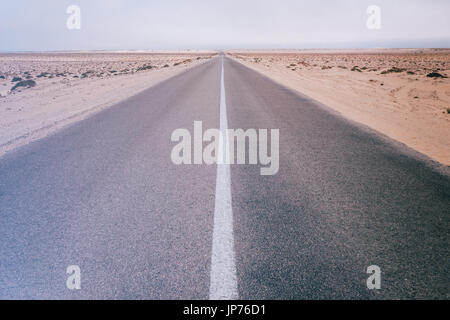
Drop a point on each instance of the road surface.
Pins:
(104, 194)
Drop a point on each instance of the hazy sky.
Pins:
(212, 24)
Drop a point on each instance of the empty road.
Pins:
(104, 194)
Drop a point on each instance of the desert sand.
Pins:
(404, 93)
(42, 92)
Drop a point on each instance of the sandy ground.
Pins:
(40, 93)
(387, 90)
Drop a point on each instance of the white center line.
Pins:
(223, 285)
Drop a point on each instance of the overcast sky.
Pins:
(30, 25)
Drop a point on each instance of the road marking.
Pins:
(223, 285)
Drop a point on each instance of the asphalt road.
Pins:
(105, 195)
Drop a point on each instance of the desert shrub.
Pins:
(435, 75)
(25, 84)
(84, 75)
(393, 70)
